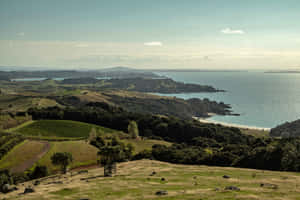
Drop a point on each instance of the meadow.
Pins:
(136, 180)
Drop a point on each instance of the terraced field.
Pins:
(136, 180)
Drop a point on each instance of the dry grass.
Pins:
(20, 154)
(82, 152)
(133, 181)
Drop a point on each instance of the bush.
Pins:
(39, 172)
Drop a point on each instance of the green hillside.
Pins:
(34, 151)
(60, 128)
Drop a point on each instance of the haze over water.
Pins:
(263, 99)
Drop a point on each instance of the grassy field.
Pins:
(85, 154)
(14, 103)
(256, 133)
(21, 153)
(82, 152)
(48, 129)
(140, 145)
(134, 181)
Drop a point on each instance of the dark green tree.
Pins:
(5, 178)
(39, 172)
(112, 152)
(133, 130)
(63, 159)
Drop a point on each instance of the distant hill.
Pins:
(288, 129)
(115, 72)
(120, 68)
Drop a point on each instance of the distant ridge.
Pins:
(195, 70)
(284, 71)
(119, 68)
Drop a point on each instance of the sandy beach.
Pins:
(207, 120)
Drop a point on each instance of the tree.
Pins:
(133, 129)
(39, 172)
(92, 135)
(5, 178)
(63, 159)
(112, 152)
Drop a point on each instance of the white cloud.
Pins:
(21, 34)
(231, 31)
(153, 43)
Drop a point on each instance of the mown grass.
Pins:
(133, 181)
(60, 128)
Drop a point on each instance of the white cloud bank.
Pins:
(231, 31)
(153, 44)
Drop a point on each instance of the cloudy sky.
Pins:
(190, 34)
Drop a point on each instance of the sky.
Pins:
(156, 34)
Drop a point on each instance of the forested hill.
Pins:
(288, 129)
(147, 103)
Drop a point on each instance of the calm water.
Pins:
(263, 100)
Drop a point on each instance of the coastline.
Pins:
(205, 120)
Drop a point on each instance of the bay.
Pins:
(262, 99)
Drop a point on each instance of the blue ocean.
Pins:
(263, 100)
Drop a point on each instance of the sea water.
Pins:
(262, 99)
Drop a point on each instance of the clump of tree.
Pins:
(111, 152)
(39, 171)
(92, 135)
(62, 159)
(5, 178)
(8, 141)
(133, 130)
